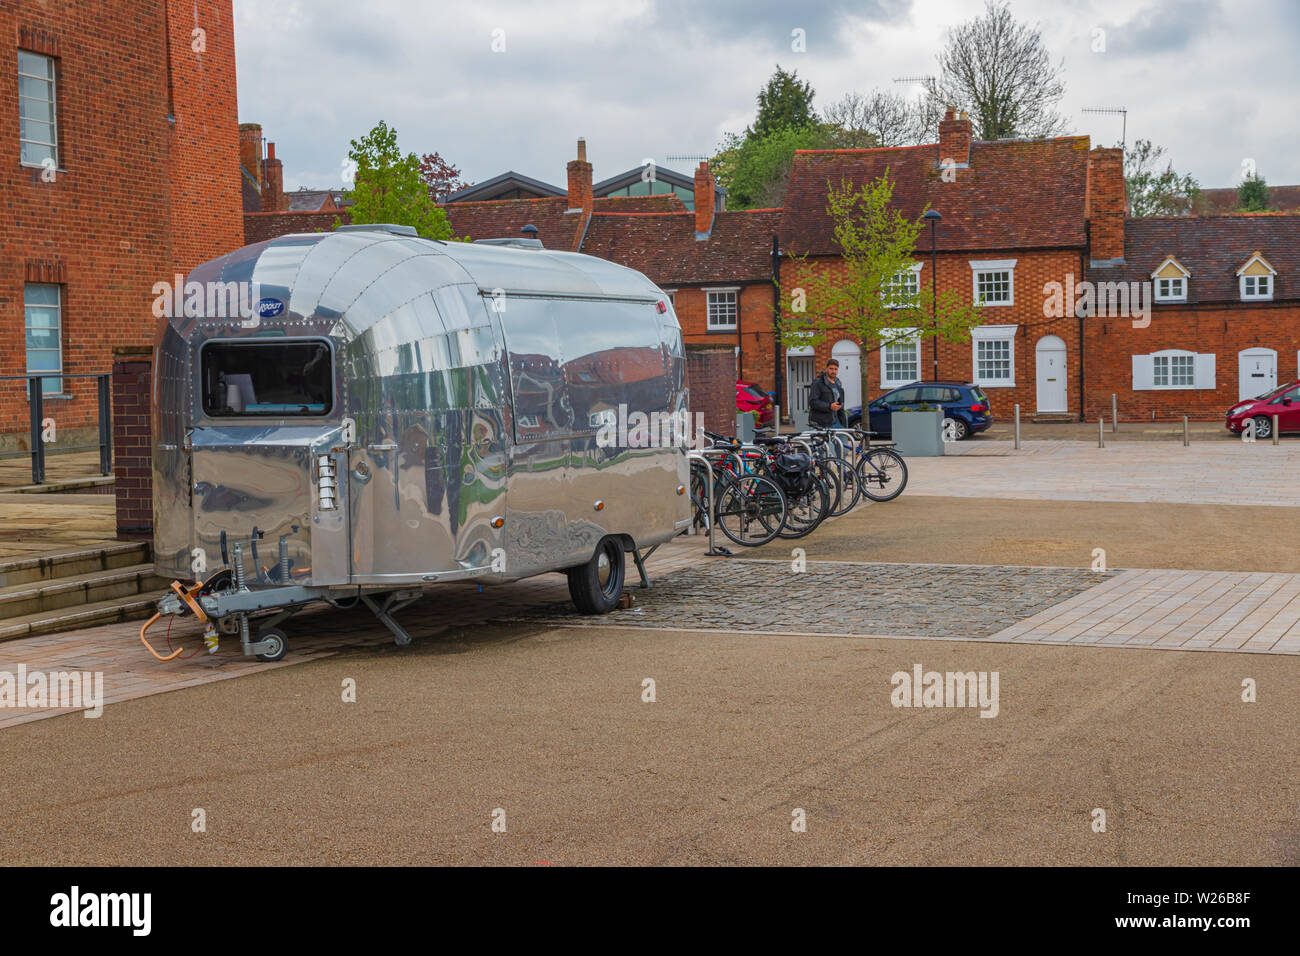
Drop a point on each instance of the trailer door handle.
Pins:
(383, 446)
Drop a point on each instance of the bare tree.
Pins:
(878, 118)
(999, 71)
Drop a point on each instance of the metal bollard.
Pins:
(1276, 436)
(105, 388)
(1017, 425)
(1101, 431)
(35, 395)
(1186, 437)
(1114, 413)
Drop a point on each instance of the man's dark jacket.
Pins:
(821, 394)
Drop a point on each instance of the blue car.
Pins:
(963, 403)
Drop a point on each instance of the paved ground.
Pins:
(546, 721)
(1229, 473)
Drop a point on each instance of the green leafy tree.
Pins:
(389, 187)
(865, 295)
(1252, 194)
(785, 103)
(1153, 191)
(758, 169)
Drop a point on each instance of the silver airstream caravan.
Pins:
(393, 412)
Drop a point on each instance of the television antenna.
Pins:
(1113, 111)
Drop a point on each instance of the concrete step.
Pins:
(107, 557)
(36, 597)
(131, 608)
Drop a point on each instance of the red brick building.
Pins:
(1224, 322)
(119, 168)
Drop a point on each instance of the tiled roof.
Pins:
(661, 202)
(503, 218)
(1212, 249)
(1222, 202)
(1015, 193)
(308, 200)
(663, 245)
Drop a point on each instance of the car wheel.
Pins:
(957, 428)
(1263, 426)
(855, 423)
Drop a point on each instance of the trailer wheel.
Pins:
(596, 586)
(280, 642)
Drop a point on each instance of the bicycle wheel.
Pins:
(751, 510)
(883, 474)
(699, 484)
(850, 486)
(807, 511)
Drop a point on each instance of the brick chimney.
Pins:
(580, 196)
(273, 197)
(250, 151)
(1106, 205)
(954, 138)
(704, 200)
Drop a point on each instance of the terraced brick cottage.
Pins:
(1016, 215)
(108, 187)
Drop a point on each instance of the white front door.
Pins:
(1051, 375)
(1256, 373)
(849, 356)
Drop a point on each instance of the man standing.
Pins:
(826, 399)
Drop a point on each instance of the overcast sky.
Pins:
(1214, 82)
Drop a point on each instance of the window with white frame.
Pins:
(993, 282)
(42, 323)
(1171, 289)
(900, 357)
(904, 289)
(994, 354)
(672, 297)
(37, 128)
(723, 309)
(1173, 369)
(1257, 287)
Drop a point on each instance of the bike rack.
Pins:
(699, 456)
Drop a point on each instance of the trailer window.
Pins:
(267, 378)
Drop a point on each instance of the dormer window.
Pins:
(1256, 279)
(1170, 281)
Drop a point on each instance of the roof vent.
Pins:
(380, 227)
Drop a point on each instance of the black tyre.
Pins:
(596, 586)
(750, 510)
(959, 430)
(807, 511)
(278, 639)
(1263, 426)
(883, 473)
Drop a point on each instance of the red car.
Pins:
(751, 398)
(1283, 402)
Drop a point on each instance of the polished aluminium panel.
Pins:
(468, 385)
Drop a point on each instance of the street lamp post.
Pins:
(933, 217)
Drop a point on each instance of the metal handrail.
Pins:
(36, 399)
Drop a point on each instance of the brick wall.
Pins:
(755, 329)
(135, 197)
(1110, 344)
(1033, 270)
(711, 378)
(132, 449)
(260, 226)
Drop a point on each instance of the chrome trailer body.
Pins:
(457, 437)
